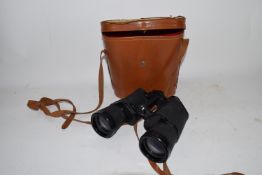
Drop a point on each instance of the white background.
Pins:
(51, 48)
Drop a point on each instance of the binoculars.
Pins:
(164, 120)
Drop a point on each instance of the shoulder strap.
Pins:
(69, 115)
(165, 170)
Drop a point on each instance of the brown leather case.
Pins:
(144, 53)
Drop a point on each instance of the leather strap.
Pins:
(69, 115)
(166, 170)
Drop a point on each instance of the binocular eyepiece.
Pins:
(164, 120)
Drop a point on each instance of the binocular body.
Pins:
(164, 120)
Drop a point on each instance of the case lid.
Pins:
(155, 23)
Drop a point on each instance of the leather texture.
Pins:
(148, 61)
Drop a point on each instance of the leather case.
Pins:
(144, 53)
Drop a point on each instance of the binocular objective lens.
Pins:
(103, 123)
(154, 149)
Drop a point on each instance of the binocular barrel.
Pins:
(163, 129)
(164, 120)
(125, 111)
(108, 120)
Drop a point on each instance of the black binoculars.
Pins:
(164, 120)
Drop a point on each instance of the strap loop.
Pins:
(69, 115)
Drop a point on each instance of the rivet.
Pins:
(142, 63)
